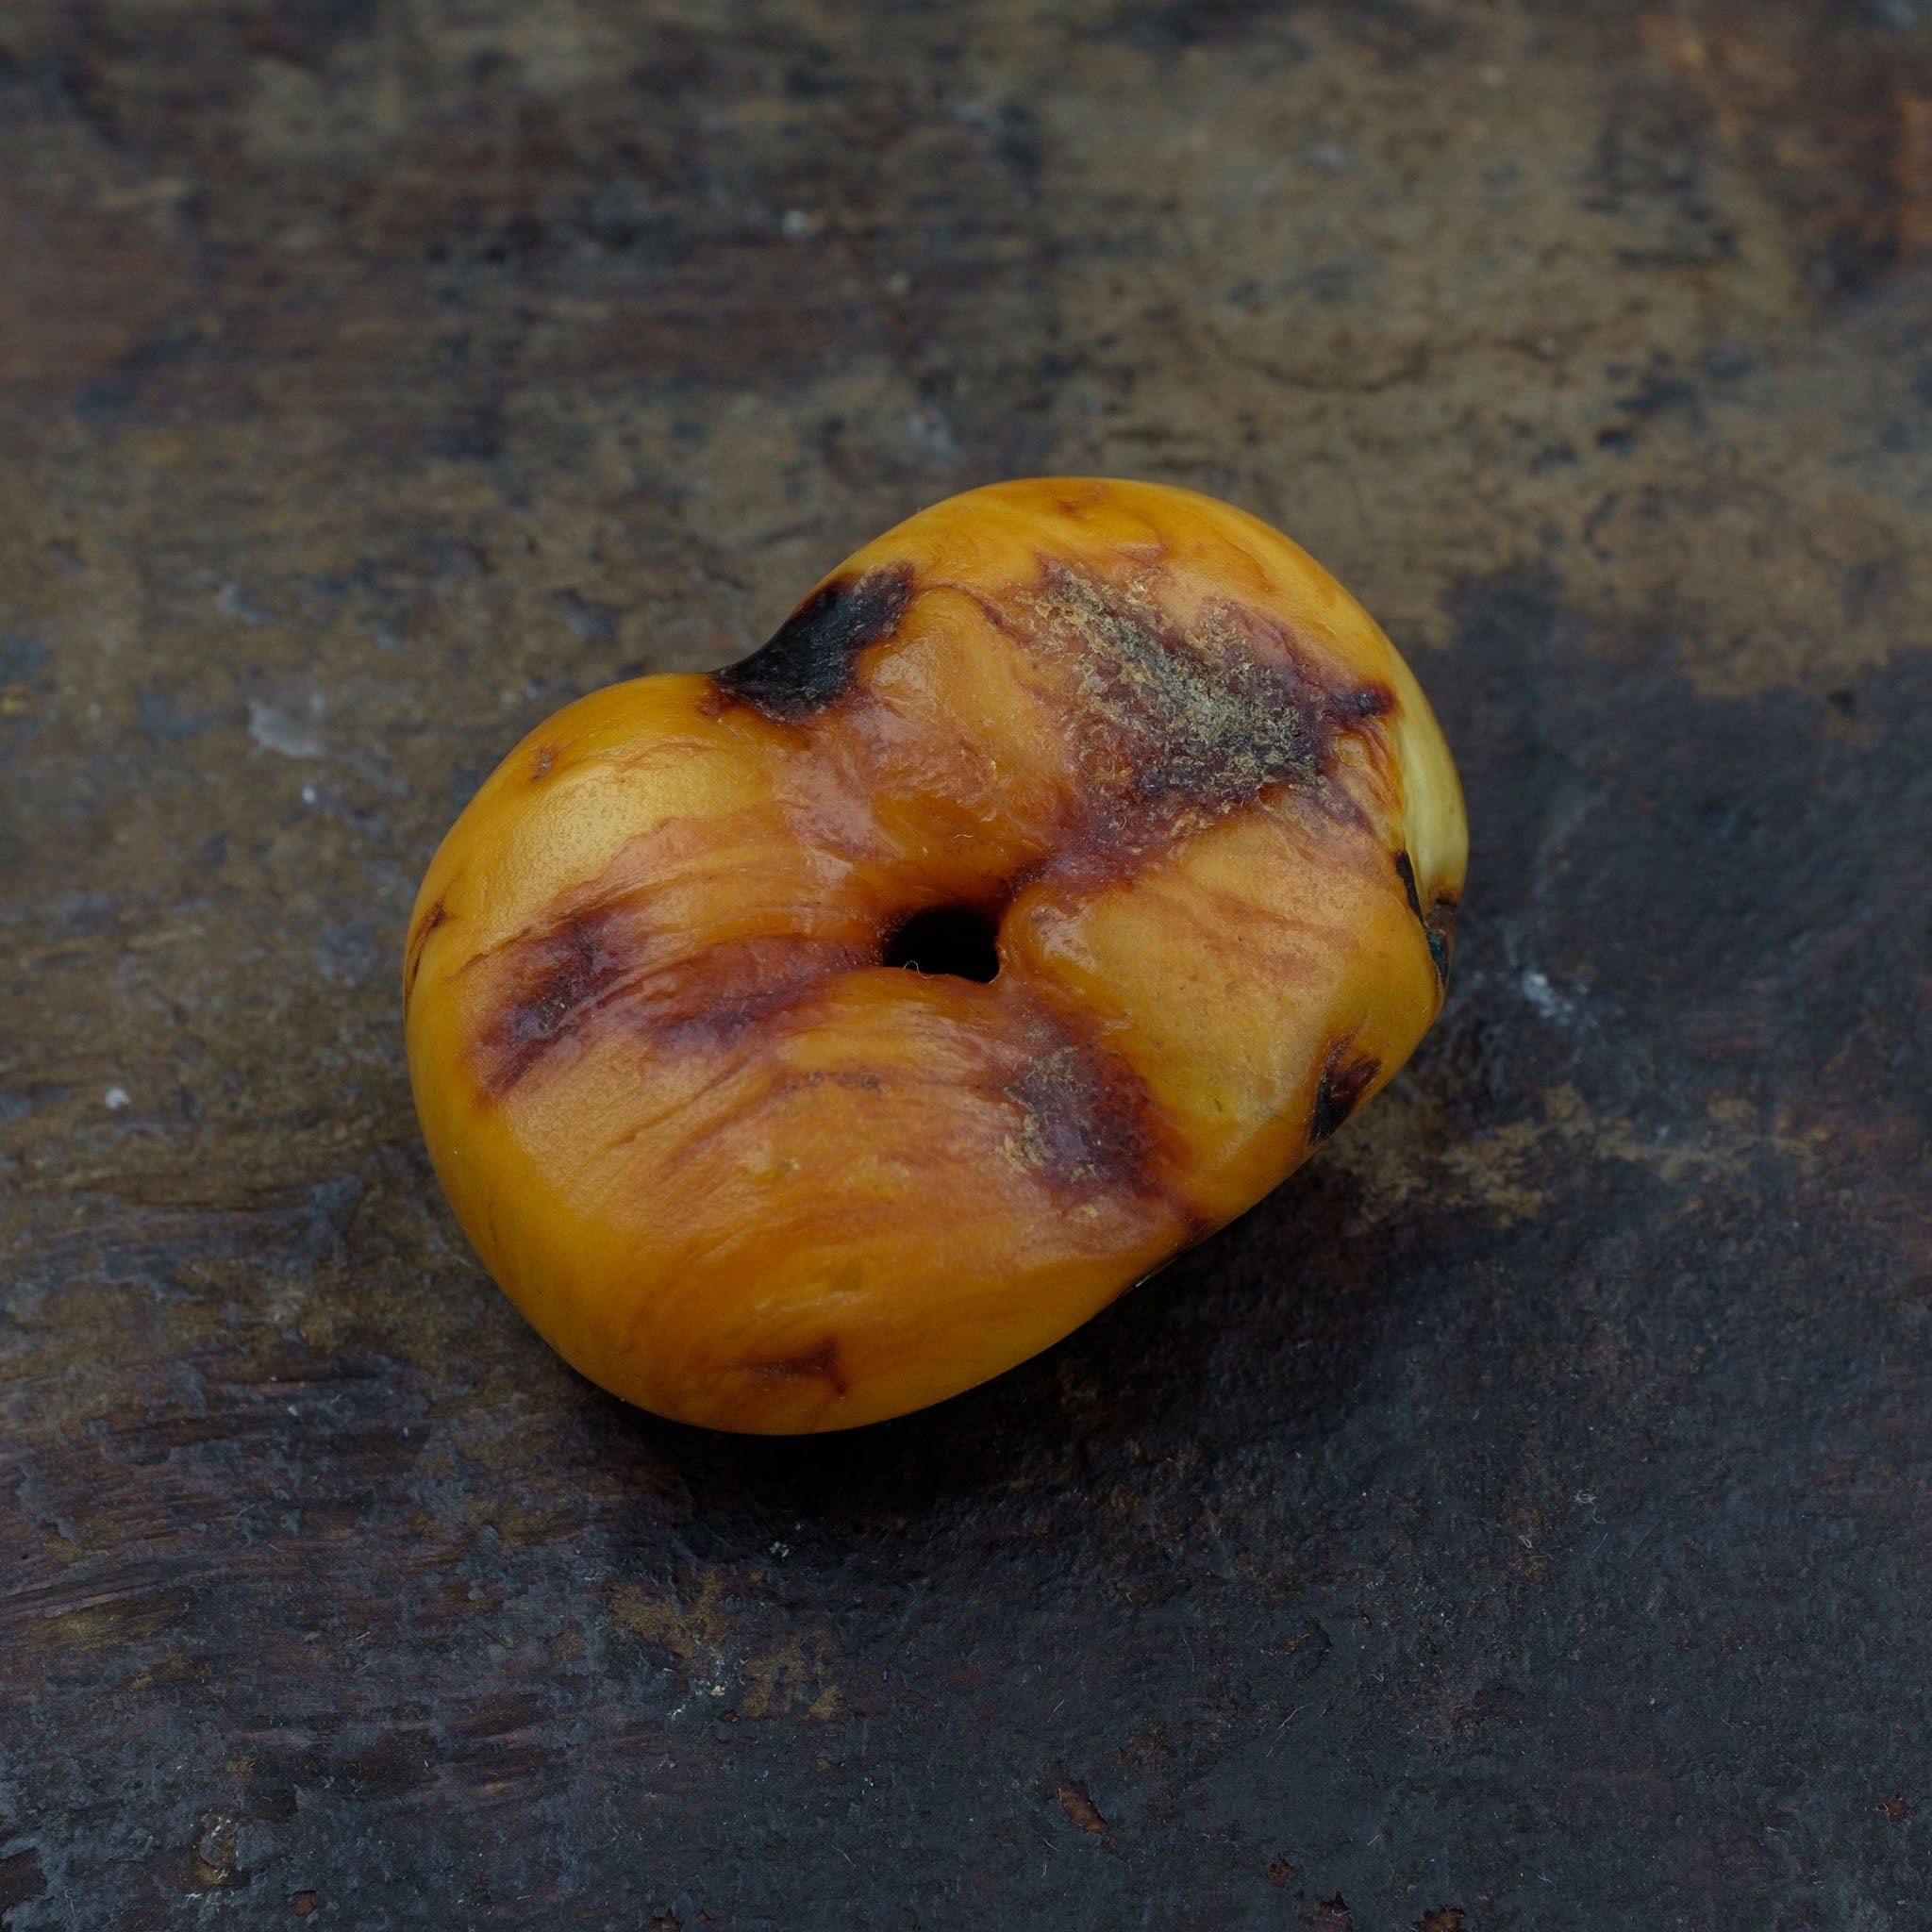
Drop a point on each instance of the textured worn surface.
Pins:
(1522, 1520)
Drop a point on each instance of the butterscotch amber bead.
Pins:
(807, 1042)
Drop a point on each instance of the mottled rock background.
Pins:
(1524, 1519)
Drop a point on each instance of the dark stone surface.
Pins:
(1522, 1520)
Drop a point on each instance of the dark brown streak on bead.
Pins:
(541, 764)
(1340, 1089)
(1177, 728)
(823, 1364)
(1088, 1124)
(418, 939)
(559, 977)
(602, 967)
(811, 658)
(712, 1001)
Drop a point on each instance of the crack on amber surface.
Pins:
(1404, 871)
(1438, 922)
(1340, 1089)
(418, 939)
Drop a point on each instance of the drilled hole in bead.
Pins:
(956, 940)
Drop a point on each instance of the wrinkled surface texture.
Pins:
(1521, 1519)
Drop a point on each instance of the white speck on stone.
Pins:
(1544, 998)
(295, 734)
(930, 427)
(116, 1098)
(796, 223)
(232, 601)
(310, 795)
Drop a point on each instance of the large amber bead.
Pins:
(807, 1042)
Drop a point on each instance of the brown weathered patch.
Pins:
(823, 1364)
(811, 658)
(1340, 1089)
(1087, 1121)
(557, 977)
(1328, 1914)
(604, 965)
(1178, 726)
(1074, 1800)
(412, 965)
